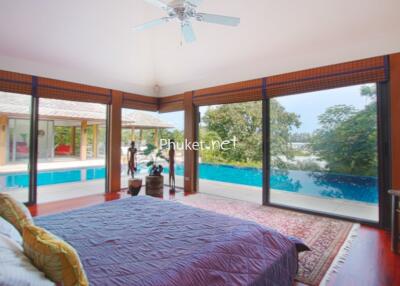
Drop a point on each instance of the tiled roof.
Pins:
(19, 106)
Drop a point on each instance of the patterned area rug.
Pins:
(324, 236)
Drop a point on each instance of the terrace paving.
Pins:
(358, 210)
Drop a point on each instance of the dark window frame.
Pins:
(383, 120)
(33, 148)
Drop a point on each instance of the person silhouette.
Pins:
(171, 155)
(132, 160)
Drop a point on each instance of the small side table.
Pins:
(395, 227)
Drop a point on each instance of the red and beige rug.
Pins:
(325, 236)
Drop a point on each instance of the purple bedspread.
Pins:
(147, 241)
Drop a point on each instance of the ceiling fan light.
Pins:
(184, 11)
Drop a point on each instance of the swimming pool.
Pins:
(53, 177)
(331, 185)
(357, 188)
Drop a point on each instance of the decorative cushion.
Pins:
(14, 212)
(10, 231)
(56, 258)
(16, 269)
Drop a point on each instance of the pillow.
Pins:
(16, 269)
(14, 212)
(56, 258)
(7, 229)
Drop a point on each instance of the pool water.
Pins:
(342, 186)
(55, 177)
(357, 188)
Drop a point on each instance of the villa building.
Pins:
(286, 119)
(67, 129)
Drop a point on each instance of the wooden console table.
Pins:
(395, 227)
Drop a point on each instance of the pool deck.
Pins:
(59, 192)
(358, 210)
(56, 164)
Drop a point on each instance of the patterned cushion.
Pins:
(14, 212)
(56, 258)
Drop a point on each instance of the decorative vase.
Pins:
(134, 186)
(155, 186)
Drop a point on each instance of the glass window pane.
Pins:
(230, 162)
(151, 130)
(71, 155)
(174, 134)
(324, 151)
(15, 112)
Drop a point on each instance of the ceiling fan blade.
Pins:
(195, 2)
(152, 24)
(188, 32)
(217, 19)
(158, 3)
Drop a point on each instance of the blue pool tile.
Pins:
(327, 185)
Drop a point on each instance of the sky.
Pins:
(308, 105)
(174, 118)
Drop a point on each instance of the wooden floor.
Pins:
(81, 202)
(370, 261)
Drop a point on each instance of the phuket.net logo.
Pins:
(223, 145)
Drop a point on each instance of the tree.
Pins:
(62, 135)
(347, 138)
(209, 154)
(335, 115)
(281, 125)
(300, 137)
(369, 91)
(175, 134)
(244, 121)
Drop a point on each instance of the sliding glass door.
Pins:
(174, 134)
(230, 160)
(15, 124)
(152, 132)
(71, 149)
(324, 152)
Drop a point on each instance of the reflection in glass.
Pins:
(147, 129)
(15, 112)
(71, 153)
(326, 145)
(234, 171)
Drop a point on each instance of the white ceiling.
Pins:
(92, 42)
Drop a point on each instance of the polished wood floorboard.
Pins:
(370, 261)
(81, 202)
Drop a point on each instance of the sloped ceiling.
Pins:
(92, 41)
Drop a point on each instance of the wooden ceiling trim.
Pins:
(328, 77)
(171, 103)
(141, 102)
(250, 90)
(63, 90)
(15, 82)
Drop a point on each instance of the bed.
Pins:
(148, 241)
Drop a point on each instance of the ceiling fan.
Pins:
(184, 11)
